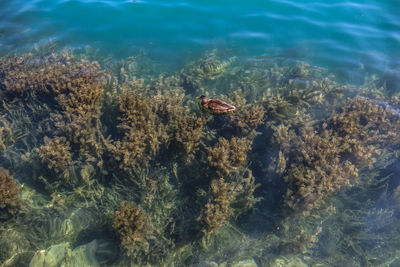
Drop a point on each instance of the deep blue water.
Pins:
(347, 35)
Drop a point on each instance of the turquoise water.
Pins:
(107, 158)
(340, 34)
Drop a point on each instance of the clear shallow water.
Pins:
(82, 146)
(340, 34)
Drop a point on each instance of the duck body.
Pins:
(215, 106)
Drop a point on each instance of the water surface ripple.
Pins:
(342, 34)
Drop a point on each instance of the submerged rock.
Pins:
(209, 264)
(245, 263)
(290, 261)
(242, 263)
(83, 256)
(52, 256)
(62, 255)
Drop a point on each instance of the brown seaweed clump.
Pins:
(5, 135)
(322, 159)
(132, 225)
(374, 123)
(75, 84)
(56, 73)
(218, 208)
(232, 192)
(189, 130)
(9, 194)
(229, 156)
(227, 199)
(315, 167)
(153, 120)
(79, 120)
(73, 88)
(56, 154)
(144, 131)
(247, 117)
(277, 109)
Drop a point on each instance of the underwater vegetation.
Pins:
(218, 208)
(151, 120)
(56, 154)
(114, 168)
(5, 135)
(227, 156)
(132, 225)
(9, 194)
(344, 143)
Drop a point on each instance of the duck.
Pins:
(215, 106)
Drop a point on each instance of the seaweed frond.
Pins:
(9, 194)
